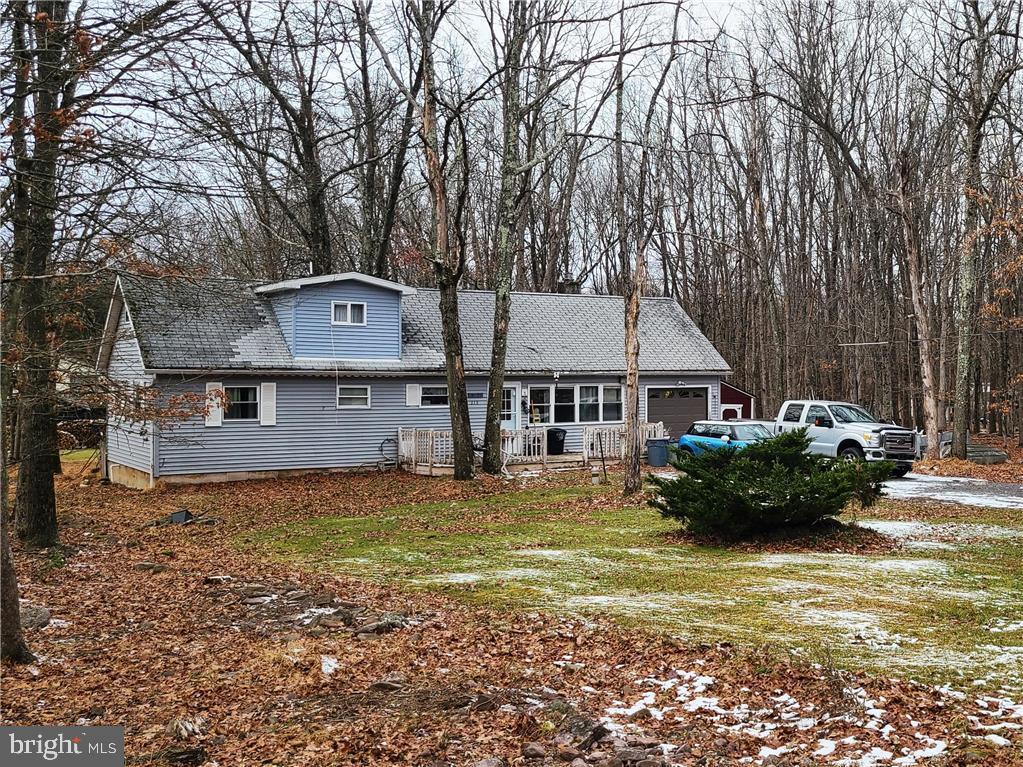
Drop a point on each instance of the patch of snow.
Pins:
(1004, 625)
(645, 702)
(934, 748)
(937, 478)
(329, 664)
(998, 740)
(547, 553)
(825, 747)
(859, 627)
(698, 703)
(895, 528)
(453, 578)
(851, 563)
(306, 616)
(952, 490)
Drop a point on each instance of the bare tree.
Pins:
(991, 42)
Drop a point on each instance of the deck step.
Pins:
(985, 455)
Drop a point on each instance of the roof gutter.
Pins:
(511, 374)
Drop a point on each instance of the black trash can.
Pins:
(556, 441)
(657, 451)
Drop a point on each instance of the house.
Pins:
(333, 372)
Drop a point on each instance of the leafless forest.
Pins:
(817, 183)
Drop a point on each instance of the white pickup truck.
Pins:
(844, 430)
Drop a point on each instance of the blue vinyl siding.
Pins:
(129, 444)
(313, 334)
(284, 310)
(312, 433)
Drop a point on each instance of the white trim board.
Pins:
(326, 279)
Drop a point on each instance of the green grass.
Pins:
(86, 454)
(920, 612)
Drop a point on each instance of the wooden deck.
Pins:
(431, 451)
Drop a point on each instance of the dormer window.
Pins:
(348, 313)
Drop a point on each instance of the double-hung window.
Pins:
(348, 313)
(434, 395)
(242, 403)
(612, 404)
(564, 404)
(353, 397)
(589, 404)
(539, 404)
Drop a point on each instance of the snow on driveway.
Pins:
(970, 492)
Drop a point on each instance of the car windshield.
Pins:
(851, 414)
(748, 432)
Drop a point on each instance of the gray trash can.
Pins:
(657, 451)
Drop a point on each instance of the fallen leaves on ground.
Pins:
(830, 535)
(1010, 471)
(152, 630)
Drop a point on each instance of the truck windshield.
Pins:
(851, 414)
(749, 432)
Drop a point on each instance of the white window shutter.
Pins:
(268, 404)
(413, 395)
(214, 404)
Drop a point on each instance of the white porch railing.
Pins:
(429, 449)
(609, 443)
(426, 450)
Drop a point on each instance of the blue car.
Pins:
(714, 435)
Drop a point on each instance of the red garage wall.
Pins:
(743, 404)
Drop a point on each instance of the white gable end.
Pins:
(126, 356)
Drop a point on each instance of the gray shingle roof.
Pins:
(222, 324)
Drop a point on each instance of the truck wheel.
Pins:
(901, 471)
(851, 453)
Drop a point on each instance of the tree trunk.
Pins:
(447, 257)
(321, 254)
(966, 309)
(507, 227)
(634, 283)
(921, 316)
(36, 507)
(633, 478)
(12, 641)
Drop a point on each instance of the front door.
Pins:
(510, 407)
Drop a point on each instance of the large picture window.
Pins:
(434, 395)
(242, 403)
(575, 403)
(352, 397)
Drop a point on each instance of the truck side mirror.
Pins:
(823, 422)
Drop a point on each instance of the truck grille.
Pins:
(898, 442)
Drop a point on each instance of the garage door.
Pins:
(676, 407)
